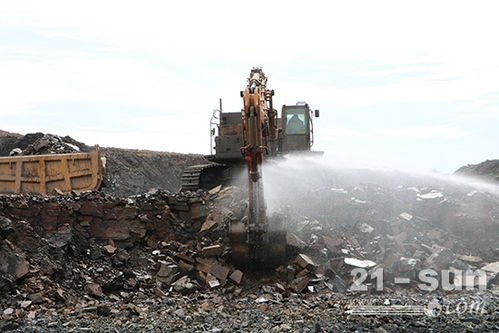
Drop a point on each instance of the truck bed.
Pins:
(51, 174)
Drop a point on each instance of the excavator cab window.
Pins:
(295, 122)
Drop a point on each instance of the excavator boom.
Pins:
(259, 136)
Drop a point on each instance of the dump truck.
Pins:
(52, 173)
(242, 141)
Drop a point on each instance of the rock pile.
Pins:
(129, 171)
(41, 144)
(60, 250)
(401, 229)
(165, 255)
(488, 170)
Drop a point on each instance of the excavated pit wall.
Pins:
(35, 230)
(105, 217)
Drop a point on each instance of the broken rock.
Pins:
(408, 264)
(25, 304)
(294, 241)
(95, 290)
(470, 259)
(406, 216)
(5, 227)
(440, 258)
(208, 224)
(492, 267)
(213, 283)
(339, 285)
(180, 313)
(304, 261)
(300, 284)
(236, 276)
(183, 285)
(366, 228)
(220, 271)
(212, 251)
(8, 311)
(110, 249)
(431, 195)
(261, 299)
(159, 293)
(11, 262)
(359, 263)
(167, 270)
(331, 243)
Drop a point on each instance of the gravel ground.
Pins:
(228, 313)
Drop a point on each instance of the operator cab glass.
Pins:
(295, 121)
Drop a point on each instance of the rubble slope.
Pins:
(129, 171)
(70, 260)
(488, 170)
(8, 142)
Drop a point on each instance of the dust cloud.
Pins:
(316, 188)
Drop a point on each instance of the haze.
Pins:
(411, 86)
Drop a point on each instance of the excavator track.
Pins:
(203, 176)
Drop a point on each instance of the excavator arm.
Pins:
(252, 239)
(255, 127)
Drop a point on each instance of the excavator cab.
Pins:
(297, 128)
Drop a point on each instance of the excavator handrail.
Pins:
(214, 124)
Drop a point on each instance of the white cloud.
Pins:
(423, 132)
(166, 63)
(438, 83)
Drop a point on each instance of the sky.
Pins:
(411, 85)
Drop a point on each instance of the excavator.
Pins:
(244, 140)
